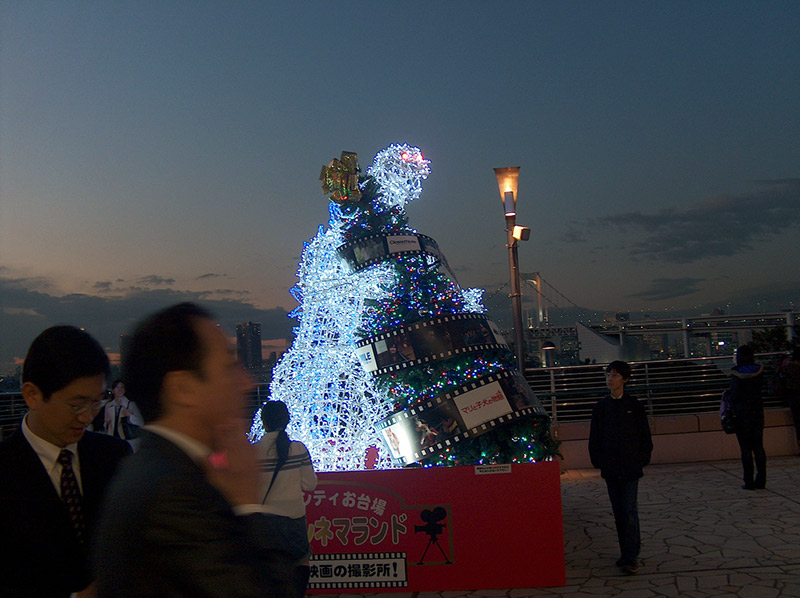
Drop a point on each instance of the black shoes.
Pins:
(632, 567)
(754, 486)
(629, 567)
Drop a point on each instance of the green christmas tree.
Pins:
(431, 351)
(390, 351)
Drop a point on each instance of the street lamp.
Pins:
(507, 183)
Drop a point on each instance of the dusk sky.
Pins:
(152, 152)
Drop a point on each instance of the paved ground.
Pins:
(702, 536)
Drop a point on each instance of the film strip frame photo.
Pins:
(458, 415)
(374, 249)
(431, 340)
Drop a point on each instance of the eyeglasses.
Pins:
(83, 407)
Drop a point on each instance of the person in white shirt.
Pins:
(285, 473)
(116, 410)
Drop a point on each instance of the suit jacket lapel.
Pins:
(34, 481)
(30, 471)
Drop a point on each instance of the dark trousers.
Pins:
(794, 404)
(624, 496)
(300, 580)
(750, 434)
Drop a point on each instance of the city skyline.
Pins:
(155, 153)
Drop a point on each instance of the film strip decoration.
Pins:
(431, 340)
(368, 570)
(458, 415)
(373, 249)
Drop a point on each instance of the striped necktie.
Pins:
(71, 494)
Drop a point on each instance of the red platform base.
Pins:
(437, 529)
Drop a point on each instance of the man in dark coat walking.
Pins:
(183, 517)
(620, 446)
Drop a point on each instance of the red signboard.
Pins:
(437, 529)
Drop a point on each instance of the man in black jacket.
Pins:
(52, 471)
(620, 446)
(180, 521)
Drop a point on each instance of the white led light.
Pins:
(399, 170)
(334, 404)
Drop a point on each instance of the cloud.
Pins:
(36, 283)
(154, 279)
(669, 288)
(573, 235)
(210, 275)
(722, 226)
(21, 311)
(28, 310)
(227, 293)
(783, 296)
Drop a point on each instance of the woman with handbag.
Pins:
(744, 395)
(286, 472)
(122, 417)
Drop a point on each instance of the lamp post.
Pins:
(507, 182)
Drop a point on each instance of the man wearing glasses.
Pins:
(52, 471)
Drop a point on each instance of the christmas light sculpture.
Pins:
(332, 401)
(344, 298)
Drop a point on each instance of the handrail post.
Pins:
(554, 407)
(649, 391)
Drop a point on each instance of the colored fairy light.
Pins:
(334, 403)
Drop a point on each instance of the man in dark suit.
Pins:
(182, 518)
(52, 471)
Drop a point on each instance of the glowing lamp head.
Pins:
(507, 183)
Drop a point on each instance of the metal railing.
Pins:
(670, 387)
(12, 408)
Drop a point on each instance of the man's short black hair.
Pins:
(745, 355)
(621, 367)
(60, 355)
(167, 341)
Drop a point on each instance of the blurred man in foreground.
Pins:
(178, 521)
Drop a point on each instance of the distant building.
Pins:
(605, 348)
(248, 344)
